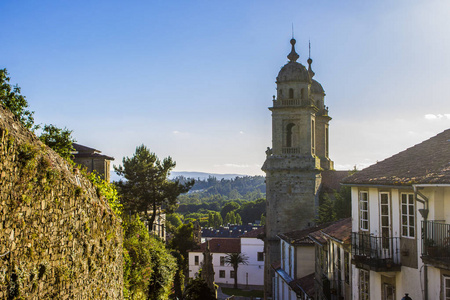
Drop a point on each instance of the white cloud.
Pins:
(241, 132)
(175, 132)
(437, 117)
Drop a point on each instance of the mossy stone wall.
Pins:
(58, 238)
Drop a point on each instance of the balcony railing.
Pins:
(290, 150)
(436, 240)
(292, 102)
(377, 253)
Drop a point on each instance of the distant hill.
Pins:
(203, 176)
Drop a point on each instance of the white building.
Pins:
(219, 248)
(391, 202)
(250, 275)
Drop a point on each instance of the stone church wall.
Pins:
(58, 239)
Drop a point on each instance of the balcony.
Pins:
(436, 243)
(293, 102)
(290, 150)
(380, 254)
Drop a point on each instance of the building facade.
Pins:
(401, 224)
(298, 155)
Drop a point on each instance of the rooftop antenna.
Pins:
(309, 54)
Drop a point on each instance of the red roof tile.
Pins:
(424, 163)
(231, 245)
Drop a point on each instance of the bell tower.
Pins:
(298, 155)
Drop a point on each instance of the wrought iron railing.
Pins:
(382, 252)
(436, 240)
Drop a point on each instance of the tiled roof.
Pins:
(84, 151)
(331, 180)
(424, 163)
(254, 233)
(231, 245)
(300, 237)
(340, 230)
(304, 284)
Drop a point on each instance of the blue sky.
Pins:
(194, 79)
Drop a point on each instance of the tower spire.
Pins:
(310, 71)
(293, 56)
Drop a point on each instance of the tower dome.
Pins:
(316, 87)
(293, 71)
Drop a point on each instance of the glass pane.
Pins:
(384, 221)
(411, 210)
(411, 231)
(404, 209)
(404, 231)
(411, 220)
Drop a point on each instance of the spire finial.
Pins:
(310, 71)
(292, 29)
(293, 56)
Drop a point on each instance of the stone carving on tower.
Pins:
(298, 155)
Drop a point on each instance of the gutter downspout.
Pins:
(424, 213)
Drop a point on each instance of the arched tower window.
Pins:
(289, 134)
(291, 93)
(302, 93)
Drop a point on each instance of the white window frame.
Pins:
(445, 286)
(408, 215)
(364, 284)
(363, 222)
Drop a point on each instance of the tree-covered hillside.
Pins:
(215, 202)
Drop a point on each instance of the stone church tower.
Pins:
(298, 155)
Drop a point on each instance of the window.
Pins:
(260, 256)
(289, 134)
(290, 260)
(347, 267)
(222, 274)
(408, 215)
(222, 260)
(291, 93)
(364, 285)
(232, 274)
(363, 210)
(326, 142)
(446, 287)
(196, 260)
(313, 137)
(302, 93)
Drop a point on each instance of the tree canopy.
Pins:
(11, 98)
(146, 188)
(60, 140)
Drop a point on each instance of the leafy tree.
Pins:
(198, 289)
(174, 220)
(326, 211)
(12, 99)
(60, 140)
(230, 206)
(183, 240)
(149, 269)
(146, 188)
(107, 190)
(230, 218)
(238, 219)
(234, 260)
(343, 202)
(263, 219)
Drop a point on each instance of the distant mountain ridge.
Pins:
(203, 175)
